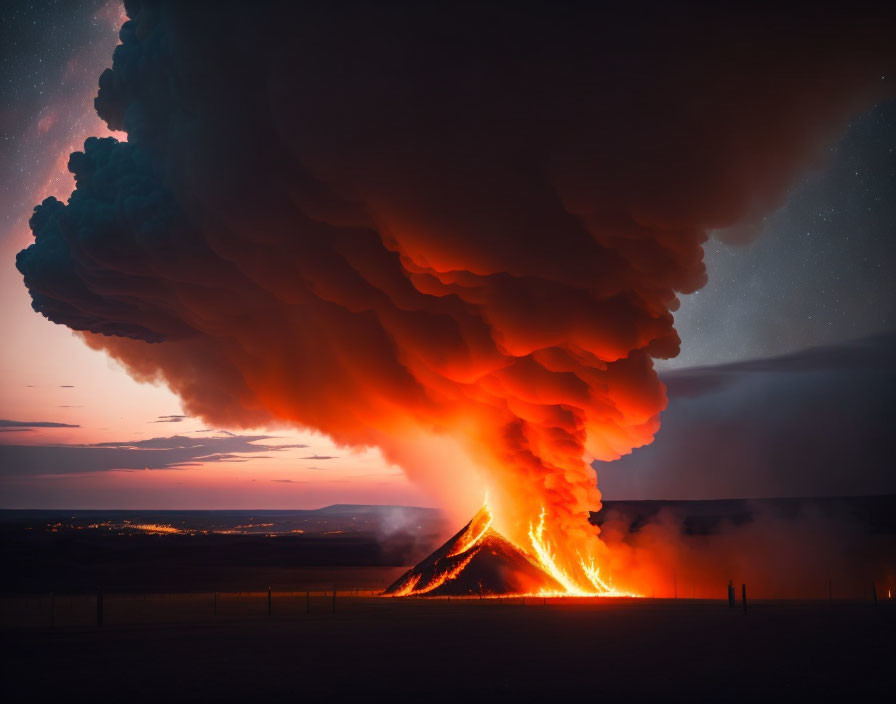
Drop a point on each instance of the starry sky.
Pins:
(819, 274)
(50, 55)
(784, 382)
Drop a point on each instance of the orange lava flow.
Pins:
(445, 576)
(408, 588)
(468, 541)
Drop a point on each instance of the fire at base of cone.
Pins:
(479, 561)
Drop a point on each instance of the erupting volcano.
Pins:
(480, 561)
(456, 236)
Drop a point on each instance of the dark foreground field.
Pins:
(374, 649)
(185, 610)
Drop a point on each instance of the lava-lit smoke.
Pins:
(455, 233)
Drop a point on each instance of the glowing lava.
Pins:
(480, 561)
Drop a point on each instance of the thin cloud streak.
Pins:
(22, 424)
(175, 452)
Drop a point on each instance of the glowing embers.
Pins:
(476, 561)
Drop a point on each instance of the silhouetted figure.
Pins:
(731, 593)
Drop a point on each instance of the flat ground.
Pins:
(435, 650)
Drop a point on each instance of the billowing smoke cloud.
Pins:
(453, 232)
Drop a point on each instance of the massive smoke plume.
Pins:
(455, 233)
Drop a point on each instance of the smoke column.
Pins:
(456, 233)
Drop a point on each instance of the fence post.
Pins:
(743, 596)
(99, 607)
(52, 610)
(215, 605)
(307, 602)
(334, 600)
(675, 584)
(830, 592)
(874, 593)
(269, 602)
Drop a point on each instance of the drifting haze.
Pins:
(812, 423)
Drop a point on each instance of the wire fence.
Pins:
(118, 608)
(108, 607)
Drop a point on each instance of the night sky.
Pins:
(821, 272)
(815, 292)
(49, 59)
(812, 291)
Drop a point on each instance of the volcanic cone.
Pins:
(476, 561)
